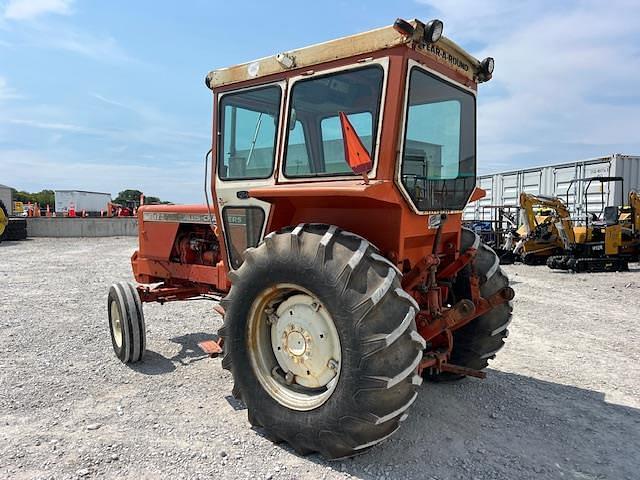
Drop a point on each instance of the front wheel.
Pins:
(321, 341)
(126, 322)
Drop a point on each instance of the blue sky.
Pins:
(109, 95)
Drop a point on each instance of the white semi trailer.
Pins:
(504, 188)
(79, 200)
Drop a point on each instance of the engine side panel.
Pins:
(178, 244)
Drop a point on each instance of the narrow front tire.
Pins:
(126, 322)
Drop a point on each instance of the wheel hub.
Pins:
(116, 324)
(305, 342)
(296, 343)
(294, 347)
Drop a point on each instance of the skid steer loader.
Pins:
(334, 239)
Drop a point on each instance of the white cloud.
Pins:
(61, 127)
(157, 122)
(30, 9)
(58, 36)
(60, 170)
(98, 48)
(113, 103)
(565, 75)
(6, 92)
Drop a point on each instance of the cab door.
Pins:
(247, 145)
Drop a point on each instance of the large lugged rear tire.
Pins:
(479, 341)
(339, 281)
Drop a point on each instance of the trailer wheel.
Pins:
(321, 341)
(126, 322)
(478, 341)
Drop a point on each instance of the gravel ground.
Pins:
(562, 400)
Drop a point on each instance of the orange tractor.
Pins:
(334, 242)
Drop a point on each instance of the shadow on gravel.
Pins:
(14, 243)
(153, 363)
(156, 364)
(508, 426)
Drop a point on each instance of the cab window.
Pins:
(439, 152)
(249, 121)
(315, 106)
(332, 142)
(298, 153)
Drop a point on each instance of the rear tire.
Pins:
(126, 322)
(478, 342)
(375, 382)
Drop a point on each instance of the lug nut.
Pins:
(288, 378)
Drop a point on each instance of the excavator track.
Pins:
(588, 265)
(558, 262)
(592, 265)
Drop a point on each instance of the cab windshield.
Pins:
(314, 143)
(439, 153)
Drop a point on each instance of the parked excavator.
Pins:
(538, 234)
(606, 242)
(629, 215)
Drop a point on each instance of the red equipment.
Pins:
(337, 293)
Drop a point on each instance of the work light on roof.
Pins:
(421, 33)
(433, 31)
(404, 27)
(487, 65)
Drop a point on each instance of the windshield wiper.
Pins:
(255, 137)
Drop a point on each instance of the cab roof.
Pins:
(443, 51)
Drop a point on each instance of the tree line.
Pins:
(47, 197)
(42, 198)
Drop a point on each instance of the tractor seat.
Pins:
(611, 216)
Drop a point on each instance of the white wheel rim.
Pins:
(116, 324)
(294, 347)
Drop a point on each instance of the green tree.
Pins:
(129, 196)
(42, 198)
(46, 197)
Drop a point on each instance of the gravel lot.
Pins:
(562, 400)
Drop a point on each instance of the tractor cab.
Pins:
(379, 125)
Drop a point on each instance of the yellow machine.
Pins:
(539, 238)
(630, 214)
(604, 243)
(18, 208)
(4, 218)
